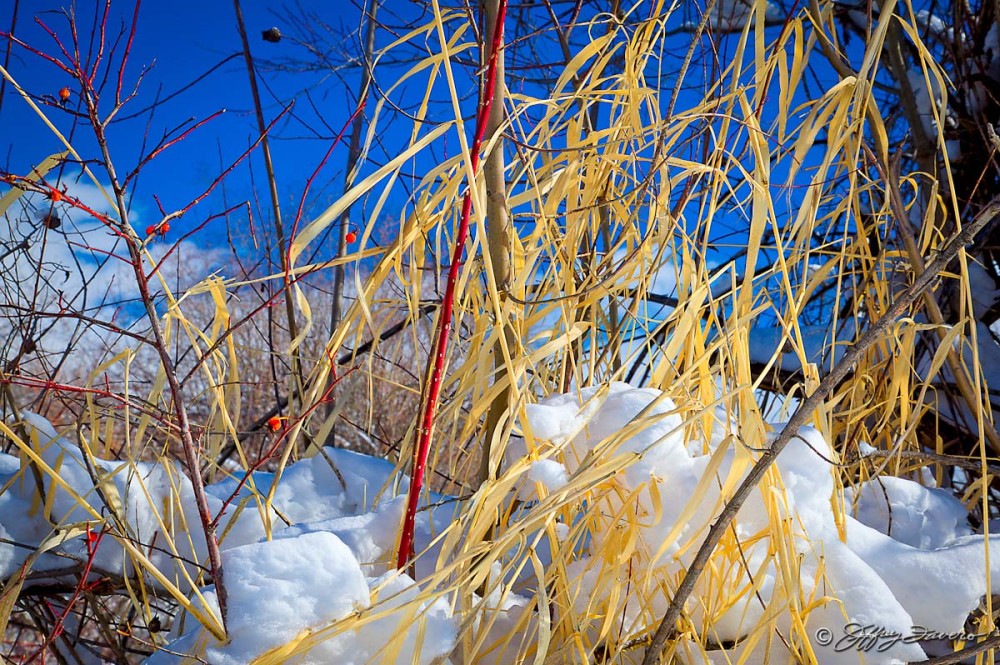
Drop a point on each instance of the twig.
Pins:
(961, 656)
(353, 154)
(122, 228)
(283, 247)
(344, 358)
(927, 456)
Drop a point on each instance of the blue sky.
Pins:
(181, 41)
(178, 42)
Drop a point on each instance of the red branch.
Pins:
(192, 232)
(92, 542)
(55, 194)
(309, 182)
(174, 141)
(128, 51)
(436, 362)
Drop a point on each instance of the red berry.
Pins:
(351, 237)
(55, 195)
(274, 423)
(164, 229)
(151, 229)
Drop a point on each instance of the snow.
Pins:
(550, 474)
(921, 517)
(285, 593)
(890, 553)
(334, 587)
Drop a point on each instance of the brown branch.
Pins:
(668, 625)
(961, 656)
(498, 235)
(283, 248)
(133, 244)
(353, 154)
(926, 456)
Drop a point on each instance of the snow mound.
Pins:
(871, 580)
(918, 516)
(311, 580)
(286, 595)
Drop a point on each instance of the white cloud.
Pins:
(61, 260)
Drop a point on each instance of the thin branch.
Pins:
(668, 625)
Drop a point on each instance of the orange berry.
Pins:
(164, 228)
(151, 229)
(64, 93)
(274, 423)
(351, 237)
(55, 195)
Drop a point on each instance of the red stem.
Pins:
(93, 541)
(436, 362)
(309, 182)
(128, 51)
